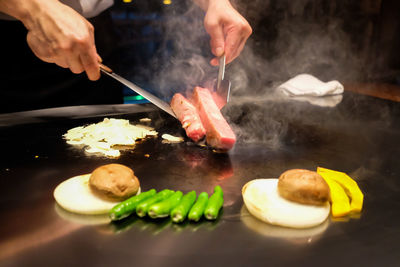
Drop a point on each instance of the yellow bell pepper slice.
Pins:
(350, 186)
(339, 199)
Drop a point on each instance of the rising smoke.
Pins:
(290, 38)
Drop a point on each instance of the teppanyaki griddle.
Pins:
(359, 136)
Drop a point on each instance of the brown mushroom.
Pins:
(303, 186)
(114, 181)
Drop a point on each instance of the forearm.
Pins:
(18, 9)
(24, 10)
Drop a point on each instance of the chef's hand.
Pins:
(58, 34)
(228, 30)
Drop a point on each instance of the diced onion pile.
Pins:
(103, 137)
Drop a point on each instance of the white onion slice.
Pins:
(76, 196)
(263, 201)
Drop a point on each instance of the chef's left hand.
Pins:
(228, 30)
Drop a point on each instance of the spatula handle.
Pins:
(105, 68)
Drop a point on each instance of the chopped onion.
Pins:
(102, 137)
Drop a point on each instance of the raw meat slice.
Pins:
(188, 116)
(218, 100)
(218, 132)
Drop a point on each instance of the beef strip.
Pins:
(218, 132)
(188, 116)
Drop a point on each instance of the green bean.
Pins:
(214, 204)
(197, 209)
(163, 208)
(142, 208)
(179, 213)
(126, 207)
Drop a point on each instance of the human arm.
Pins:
(228, 29)
(57, 34)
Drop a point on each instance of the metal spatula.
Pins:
(152, 98)
(222, 87)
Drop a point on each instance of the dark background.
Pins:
(164, 48)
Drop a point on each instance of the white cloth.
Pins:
(308, 85)
(91, 8)
(325, 101)
(305, 87)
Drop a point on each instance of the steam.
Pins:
(287, 41)
(290, 37)
(182, 62)
(298, 44)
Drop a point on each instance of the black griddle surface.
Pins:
(360, 136)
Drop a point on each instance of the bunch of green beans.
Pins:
(169, 203)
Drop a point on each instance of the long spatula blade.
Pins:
(152, 98)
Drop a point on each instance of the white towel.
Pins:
(308, 85)
(91, 8)
(305, 87)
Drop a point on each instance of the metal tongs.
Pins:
(223, 87)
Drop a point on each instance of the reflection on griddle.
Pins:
(154, 226)
(216, 164)
(80, 218)
(120, 226)
(157, 226)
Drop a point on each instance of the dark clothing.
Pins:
(28, 83)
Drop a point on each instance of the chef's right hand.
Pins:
(228, 30)
(58, 34)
